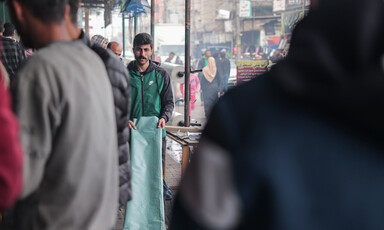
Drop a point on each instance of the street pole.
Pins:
(153, 23)
(187, 61)
(123, 18)
(134, 26)
(87, 20)
(3, 8)
(238, 31)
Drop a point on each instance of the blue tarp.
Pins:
(134, 7)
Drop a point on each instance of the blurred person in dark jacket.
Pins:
(210, 85)
(300, 147)
(224, 69)
(203, 62)
(119, 79)
(9, 30)
(170, 57)
(12, 54)
(179, 61)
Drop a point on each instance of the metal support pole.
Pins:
(238, 31)
(3, 9)
(187, 90)
(153, 23)
(134, 26)
(87, 21)
(123, 18)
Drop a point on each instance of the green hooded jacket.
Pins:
(151, 92)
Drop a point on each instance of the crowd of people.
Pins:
(213, 78)
(299, 147)
(211, 82)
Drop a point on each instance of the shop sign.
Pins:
(223, 14)
(289, 21)
(245, 9)
(283, 5)
(278, 5)
(294, 4)
(228, 26)
(247, 70)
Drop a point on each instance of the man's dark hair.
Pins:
(171, 53)
(109, 45)
(143, 39)
(46, 10)
(74, 4)
(9, 29)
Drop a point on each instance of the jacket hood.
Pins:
(85, 38)
(336, 61)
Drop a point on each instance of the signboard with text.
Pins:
(278, 5)
(245, 9)
(247, 70)
(283, 5)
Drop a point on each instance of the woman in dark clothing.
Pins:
(209, 85)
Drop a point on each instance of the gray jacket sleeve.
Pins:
(38, 117)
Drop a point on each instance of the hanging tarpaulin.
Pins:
(134, 7)
(146, 209)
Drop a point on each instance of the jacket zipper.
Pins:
(142, 93)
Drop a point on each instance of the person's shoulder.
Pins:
(9, 42)
(109, 58)
(157, 67)
(103, 53)
(132, 66)
(31, 69)
(4, 39)
(66, 54)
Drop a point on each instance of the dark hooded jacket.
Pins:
(301, 146)
(119, 78)
(151, 92)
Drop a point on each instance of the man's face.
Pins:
(142, 53)
(116, 49)
(171, 56)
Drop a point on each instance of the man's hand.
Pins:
(161, 123)
(131, 125)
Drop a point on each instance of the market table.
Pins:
(173, 132)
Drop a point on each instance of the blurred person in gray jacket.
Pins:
(64, 103)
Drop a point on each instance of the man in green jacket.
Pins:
(151, 90)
